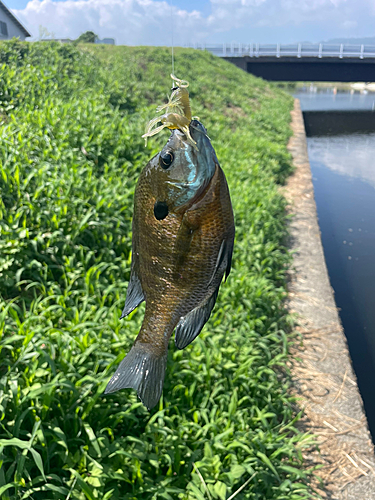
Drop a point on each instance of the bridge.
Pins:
(300, 62)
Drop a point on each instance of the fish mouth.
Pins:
(197, 127)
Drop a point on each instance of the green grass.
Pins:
(70, 154)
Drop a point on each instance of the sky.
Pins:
(156, 22)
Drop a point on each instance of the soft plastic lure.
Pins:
(177, 113)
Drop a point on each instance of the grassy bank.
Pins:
(70, 154)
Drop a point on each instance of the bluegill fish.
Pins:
(183, 233)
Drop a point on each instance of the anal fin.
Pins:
(134, 294)
(190, 326)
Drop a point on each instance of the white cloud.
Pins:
(149, 22)
(348, 25)
(131, 22)
(237, 3)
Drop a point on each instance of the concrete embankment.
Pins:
(323, 376)
(339, 122)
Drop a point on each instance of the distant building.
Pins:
(107, 41)
(61, 40)
(10, 25)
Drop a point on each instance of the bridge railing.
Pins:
(285, 50)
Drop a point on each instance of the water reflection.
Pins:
(346, 212)
(352, 155)
(320, 99)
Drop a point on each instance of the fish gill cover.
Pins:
(70, 154)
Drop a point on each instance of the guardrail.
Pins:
(281, 50)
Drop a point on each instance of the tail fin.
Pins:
(142, 370)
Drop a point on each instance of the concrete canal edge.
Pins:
(323, 378)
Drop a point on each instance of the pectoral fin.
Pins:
(134, 295)
(191, 325)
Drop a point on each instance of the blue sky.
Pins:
(184, 4)
(148, 22)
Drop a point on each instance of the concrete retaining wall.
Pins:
(324, 378)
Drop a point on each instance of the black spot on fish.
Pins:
(160, 210)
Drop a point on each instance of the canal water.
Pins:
(341, 146)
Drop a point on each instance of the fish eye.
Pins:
(160, 210)
(166, 159)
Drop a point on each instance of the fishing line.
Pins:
(172, 39)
